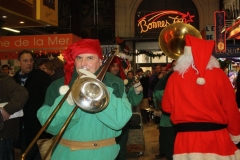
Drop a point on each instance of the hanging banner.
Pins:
(220, 36)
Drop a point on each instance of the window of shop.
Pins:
(146, 62)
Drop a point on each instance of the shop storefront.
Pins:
(149, 20)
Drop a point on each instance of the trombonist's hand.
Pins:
(70, 99)
(63, 90)
(86, 73)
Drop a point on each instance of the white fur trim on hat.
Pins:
(201, 81)
(63, 89)
(125, 81)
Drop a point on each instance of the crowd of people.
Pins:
(199, 113)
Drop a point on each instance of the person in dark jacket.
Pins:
(144, 105)
(12, 99)
(36, 82)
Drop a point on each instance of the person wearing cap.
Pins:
(202, 105)
(134, 95)
(89, 136)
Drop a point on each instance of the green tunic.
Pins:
(133, 98)
(157, 98)
(86, 126)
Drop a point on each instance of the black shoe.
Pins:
(159, 156)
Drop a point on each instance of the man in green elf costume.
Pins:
(134, 94)
(89, 136)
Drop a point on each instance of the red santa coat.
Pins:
(212, 102)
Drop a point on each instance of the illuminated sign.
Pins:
(162, 19)
(232, 50)
(234, 31)
(220, 37)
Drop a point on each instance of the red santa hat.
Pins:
(122, 75)
(82, 46)
(201, 51)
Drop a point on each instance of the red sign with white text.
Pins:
(44, 42)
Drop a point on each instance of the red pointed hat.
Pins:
(201, 51)
(82, 46)
(118, 60)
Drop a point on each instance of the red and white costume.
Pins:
(202, 93)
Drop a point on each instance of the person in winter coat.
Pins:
(12, 99)
(36, 82)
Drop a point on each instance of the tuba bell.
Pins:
(172, 38)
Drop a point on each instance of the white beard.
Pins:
(186, 61)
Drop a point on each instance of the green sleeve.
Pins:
(117, 113)
(63, 113)
(157, 98)
(134, 98)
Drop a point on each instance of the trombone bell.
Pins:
(90, 94)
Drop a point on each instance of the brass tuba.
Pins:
(172, 38)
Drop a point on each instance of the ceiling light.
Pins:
(21, 22)
(4, 16)
(10, 29)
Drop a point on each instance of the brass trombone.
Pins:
(99, 102)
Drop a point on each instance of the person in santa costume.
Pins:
(202, 105)
(89, 135)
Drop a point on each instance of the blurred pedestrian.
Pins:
(12, 99)
(36, 82)
(6, 69)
